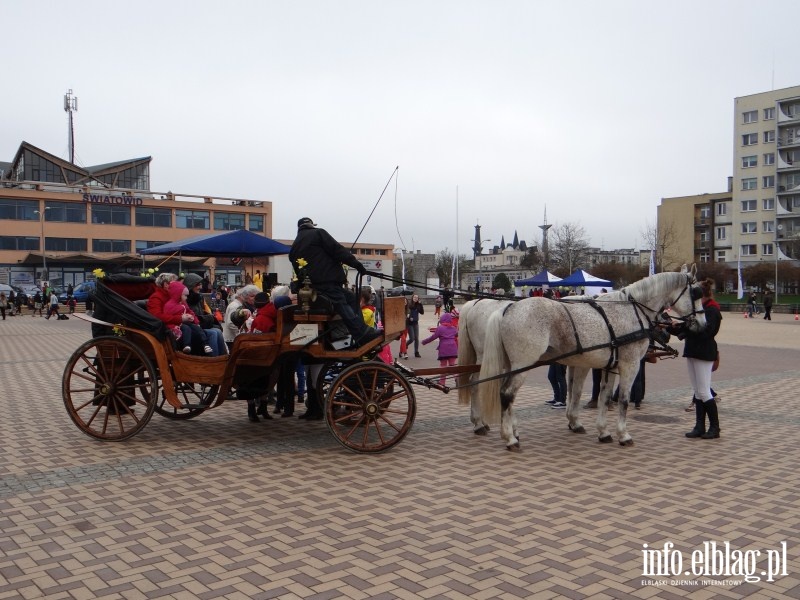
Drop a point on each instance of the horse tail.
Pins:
(466, 356)
(492, 364)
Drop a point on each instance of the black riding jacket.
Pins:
(324, 256)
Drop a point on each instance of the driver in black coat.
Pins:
(324, 257)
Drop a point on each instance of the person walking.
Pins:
(700, 350)
(448, 343)
(415, 309)
(768, 305)
(557, 376)
(3, 304)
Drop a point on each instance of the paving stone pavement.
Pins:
(218, 507)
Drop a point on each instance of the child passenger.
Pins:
(191, 331)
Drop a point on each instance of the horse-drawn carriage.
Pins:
(113, 383)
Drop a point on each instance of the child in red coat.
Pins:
(189, 331)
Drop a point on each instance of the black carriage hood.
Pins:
(121, 298)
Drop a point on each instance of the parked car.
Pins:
(80, 293)
(400, 290)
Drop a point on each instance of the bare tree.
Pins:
(532, 259)
(444, 266)
(570, 248)
(664, 239)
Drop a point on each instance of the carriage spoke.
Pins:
(121, 378)
(370, 407)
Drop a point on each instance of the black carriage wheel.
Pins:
(370, 407)
(109, 388)
(329, 372)
(188, 393)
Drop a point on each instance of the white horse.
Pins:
(608, 334)
(471, 335)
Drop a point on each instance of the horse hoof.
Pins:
(513, 447)
(578, 429)
(481, 430)
(607, 439)
(626, 443)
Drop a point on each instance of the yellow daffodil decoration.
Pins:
(99, 273)
(300, 269)
(149, 273)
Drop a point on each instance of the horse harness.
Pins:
(614, 343)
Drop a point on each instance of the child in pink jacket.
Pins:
(189, 331)
(448, 343)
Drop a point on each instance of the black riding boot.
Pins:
(700, 419)
(251, 410)
(713, 420)
(314, 412)
(263, 408)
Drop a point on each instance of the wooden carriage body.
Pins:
(132, 361)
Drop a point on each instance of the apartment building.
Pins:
(765, 223)
(758, 218)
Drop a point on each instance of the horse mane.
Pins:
(655, 285)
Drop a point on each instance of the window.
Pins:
(705, 236)
(749, 205)
(769, 136)
(722, 233)
(256, 222)
(768, 181)
(766, 249)
(705, 257)
(18, 242)
(769, 158)
(153, 217)
(54, 244)
(111, 245)
(749, 161)
(749, 227)
(751, 116)
(111, 215)
(768, 204)
(192, 219)
(145, 244)
(748, 250)
(228, 221)
(749, 139)
(769, 114)
(65, 212)
(380, 252)
(19, 210)
(705, 212)
(722, 209)
(749, 183)
(768, 226)
(720, 255)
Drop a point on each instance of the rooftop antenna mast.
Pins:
(70, 106)
(545, 248)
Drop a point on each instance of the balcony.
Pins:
(702, 222)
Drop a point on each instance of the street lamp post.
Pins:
(45, 275)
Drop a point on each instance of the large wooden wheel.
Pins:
(370, 407)
(110, 388)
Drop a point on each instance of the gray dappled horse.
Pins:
(473, 317)
(613, 333)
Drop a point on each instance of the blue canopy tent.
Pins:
(581, 279)
(543, 278)
(238, 243)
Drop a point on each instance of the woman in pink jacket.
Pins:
(448, 343)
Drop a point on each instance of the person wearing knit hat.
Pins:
(209, 324)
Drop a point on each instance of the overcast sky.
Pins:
(595, 110)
